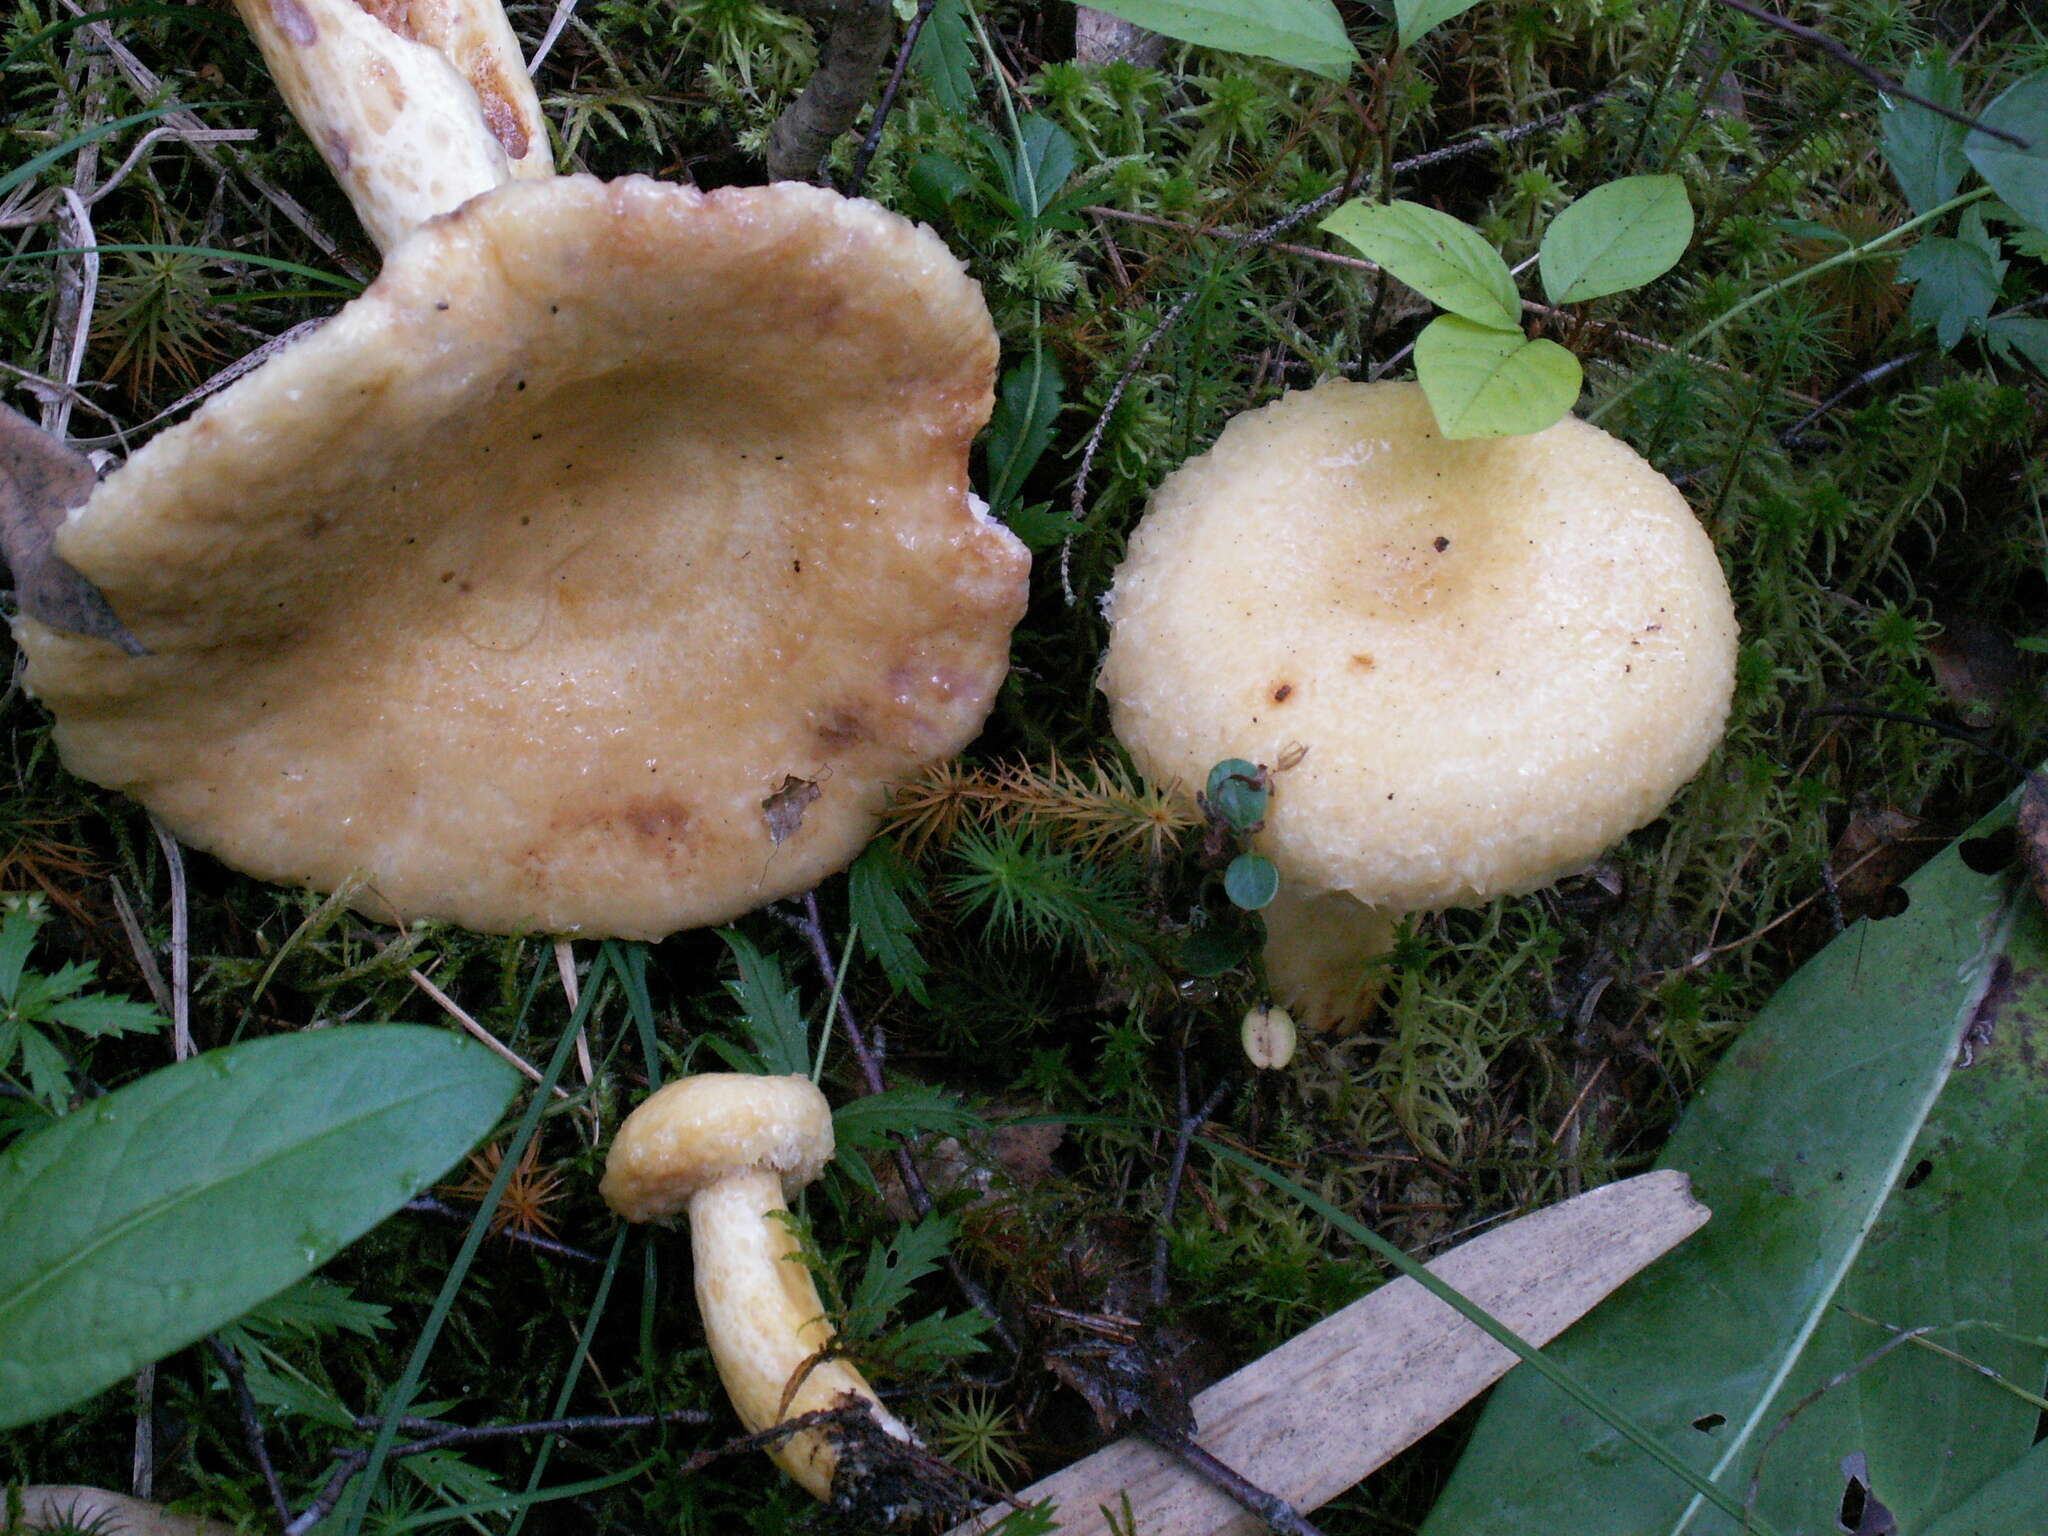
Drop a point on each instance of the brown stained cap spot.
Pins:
(294, 21)
(842, 728)
(394, 15)
(500, 116)
(657, 820)
(1363, 662)
(1440, 544)
(1283, 692)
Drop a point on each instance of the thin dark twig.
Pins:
(350, 1463)
(872, 139)
(427, 1205)
(252, 1426)
(1840, 1378)
(1189, 1124)
(1839, 54)
(1278, 1514)
(812, 927)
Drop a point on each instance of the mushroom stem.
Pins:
(1319, 945)
(766, 1327)
(416, 107)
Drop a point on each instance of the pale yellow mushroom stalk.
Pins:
(728, 1148)
(415, 105)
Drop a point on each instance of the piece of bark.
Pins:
(41, 480)
(110, 1514)
(852, 47)
(1100, 38)
(1314, 1416)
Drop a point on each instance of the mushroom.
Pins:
(592, 572)
(1485, 660)
(727, 1148)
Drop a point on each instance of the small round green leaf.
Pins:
(1488, 383)
(1237, 793)
(1616, 237)
(1251, 881)
(2020, 176)
(1446, 261)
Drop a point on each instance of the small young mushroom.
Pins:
(728, 1148)
(593, 572)
(1485, 660)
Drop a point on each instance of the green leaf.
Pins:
(1874, 1144)
(927, 1344)
(1251, 881)
(17, 937)
(311, 1308)
(1416, 17)
(1308, 34)
(1041, 527)
(1488, 383)
(944, 55)
(98, 1014)
(2009, 1502)
(1027, 405)
(49, 1075)
(1923, 148)
(770, 1010)
(152, 1216)
(1617, 237)
(1955, 284)
(2020, 176)
(891, 1271)
(875, 889)
(2017, 333)
(1444, 259)
(906, 1110)
(1238, 792)
(1035, 167)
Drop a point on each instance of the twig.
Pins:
(482, 1036)
(856, 42)
(813, 930)
(557, 25)
(1840, 55)
(78, 279)
(138, 945)
(427, 1205)
(565, 967)
(142, 1470)
(252, 1426)
(1840, 1378)
(181, 943)
(1278, 1514)
(1189, 1124)
(872, 139)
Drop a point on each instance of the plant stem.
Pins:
(1793, 280)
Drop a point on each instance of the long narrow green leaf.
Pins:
(35, 165)
(331, 280)
(162, 1211)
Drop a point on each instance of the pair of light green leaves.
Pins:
(1485, 377)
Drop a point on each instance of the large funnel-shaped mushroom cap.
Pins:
(593, 572)
(1492, 657)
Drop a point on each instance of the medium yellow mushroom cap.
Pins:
(698, 1130)
(1486, 660)
(594, 572)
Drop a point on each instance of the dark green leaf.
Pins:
(928, 1344)
(1488, 383)
(49, 1075)
(1923, 148)
(770, 1010)
(98, 1014)
(1040, 527)
(1214, 949)
(1955, 285)
(17, 937)
(1872, 1145)
(885, 1282)
(1237, 792)
(2022, 334)
(1308, 34)
(1444, 259)
(909, 1110)
(1027, 404)
(2010, 1502)
(312, 1308)
(1617, 237)
(1038, 165)
(1415, 18)
(2020, 176)
(876, 886)
(156, 1214)
(1251, 881)
(944, 55)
